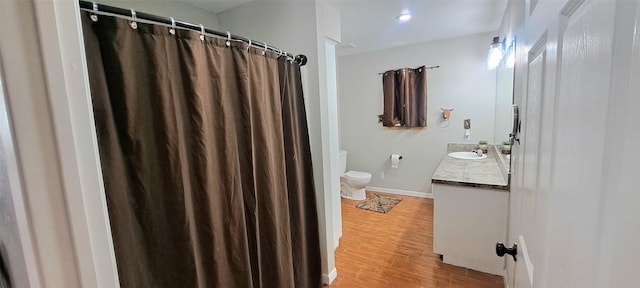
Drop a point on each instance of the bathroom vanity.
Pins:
(471, 206)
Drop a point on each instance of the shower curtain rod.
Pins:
(95, 7)
(430, 67)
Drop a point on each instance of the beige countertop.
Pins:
(485, 173)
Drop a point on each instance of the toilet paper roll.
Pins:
(395, 160)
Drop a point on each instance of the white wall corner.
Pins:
(328, 138)
(332, 23)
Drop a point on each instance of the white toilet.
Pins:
(352, 183)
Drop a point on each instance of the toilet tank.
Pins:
(343, 161)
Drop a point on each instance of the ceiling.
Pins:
(371, 24)
(216, 6)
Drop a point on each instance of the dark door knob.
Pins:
(501, 250)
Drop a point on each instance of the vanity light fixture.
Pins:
(495, 53)
(511, 55)
(404, 17)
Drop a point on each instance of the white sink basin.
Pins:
(466, 155)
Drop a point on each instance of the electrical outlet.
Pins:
(381, 175)
(467, 123)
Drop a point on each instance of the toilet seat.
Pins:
(357, 175)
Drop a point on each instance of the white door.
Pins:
(531, 167)
(575, 209)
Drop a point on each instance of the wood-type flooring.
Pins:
(396, 250)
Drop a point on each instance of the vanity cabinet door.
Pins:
(467, 223)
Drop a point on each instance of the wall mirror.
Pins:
(504, 95)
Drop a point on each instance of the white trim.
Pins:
(400, 192)
(505, 279)
(327, 279)
(522, 249)
(67, 79)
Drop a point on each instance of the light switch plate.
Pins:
(467, 123)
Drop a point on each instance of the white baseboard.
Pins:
(400, 192)
(327, 279)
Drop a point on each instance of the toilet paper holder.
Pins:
(398, 157)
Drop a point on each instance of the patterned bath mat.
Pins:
(378, 203)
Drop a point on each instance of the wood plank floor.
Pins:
(396, 250)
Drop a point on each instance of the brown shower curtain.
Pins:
(405, 97)
(205, 158)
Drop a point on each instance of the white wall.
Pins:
(175, 9)
(292, 26)
(462, 82)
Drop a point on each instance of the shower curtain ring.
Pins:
(133, 24)
(201, 32)
(249, 47)
(93, 16)
(173, 26)
(228, 39)
(264, 52)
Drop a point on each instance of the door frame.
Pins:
(66, 73)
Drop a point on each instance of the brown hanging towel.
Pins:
(405, 97)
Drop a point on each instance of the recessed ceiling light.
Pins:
(404, 17)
